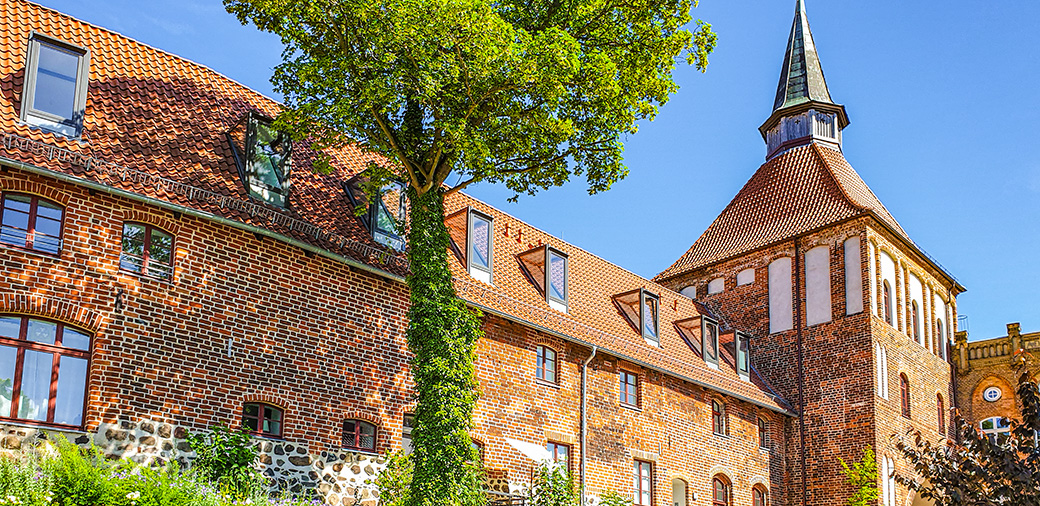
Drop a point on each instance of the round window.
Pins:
(992, 394)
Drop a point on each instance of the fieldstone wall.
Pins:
(338, 477)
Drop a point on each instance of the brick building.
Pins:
(988, 373)
(171, 262)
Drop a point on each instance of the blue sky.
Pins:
(942, 97)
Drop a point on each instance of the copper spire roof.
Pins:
(801, 78)
(800, 190)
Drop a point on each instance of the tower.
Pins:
(851, 318)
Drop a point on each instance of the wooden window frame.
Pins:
(940, 408)
(718, 418)
(904, 395)
(727, 500)
(625, 397)
(886, 302)
(73, 127)
(262, 411)
(146, 253)
(638, 475)
(22, 344)
(759, 496)
(30, 234)
(554, 449)
(763, 433)
(357, 435)
(542, 362)
(915, 331)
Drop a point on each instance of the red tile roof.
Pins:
(592, 318)
(155, 125)
(803, 189)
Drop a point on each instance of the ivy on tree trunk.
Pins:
(442, 335)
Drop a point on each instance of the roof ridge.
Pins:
(134, 41)
(816, 149)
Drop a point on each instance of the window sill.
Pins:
(32, 424)
(30, 251)
(372, 453)
(80, 139)
(631, 407)
(723, 436)
(545, 383)
(145, 277)
(763, 449)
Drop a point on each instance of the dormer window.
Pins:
(546, 268)
(387, 218)
(742, 345)
(55, 93)
(641, 309)
(263, 156)
(472, 241)
(710, 338)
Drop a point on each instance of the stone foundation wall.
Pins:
(338, 477)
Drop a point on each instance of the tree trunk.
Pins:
(442, 335)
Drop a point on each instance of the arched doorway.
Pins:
(678, 492)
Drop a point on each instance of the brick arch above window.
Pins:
(267, 398)
(39, 189)
(724, 471)
(160, 222)
(52, 309)
(355, 414)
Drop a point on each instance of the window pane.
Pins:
(41, 331)
(650, 316)
(557, 277)
(36, 385)
(133, 239)
(269, 155)
(15, 219)
(9, 326)
(56, 81)
(71, 338)
(250, 423)
(274, 414)
(272, 427)
(251, 410)
(481, 241)
(367, 436)
(72, 384)
(160, 247)
(8, 357)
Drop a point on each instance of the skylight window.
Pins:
(472, 241)
(641, 309)
(550, 281)
(710, 338)
(55, 93)
(263, 156)
(742, 345)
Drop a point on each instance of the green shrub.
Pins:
(227, 457)
(22, 482)
(394, 480)
(611, 498)
(552, 486)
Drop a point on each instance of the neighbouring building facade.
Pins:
(171, 262)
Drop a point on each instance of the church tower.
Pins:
(852, 320)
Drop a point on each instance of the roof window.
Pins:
(689, 330)
(641, 309)
(710, 338)
(546, 268)
(472, 241)
(741, 345)
(55, 93)
(388, 218)
(263, 156)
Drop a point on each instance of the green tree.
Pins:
(862, 476)
(525, 94)
(978, 470)
(552, 486)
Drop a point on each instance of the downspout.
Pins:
(801, 368)
(584, 375)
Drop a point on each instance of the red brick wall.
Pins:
(312, 335)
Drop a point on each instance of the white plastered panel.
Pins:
(853, 277)
(781, 315)
(817, 285)
(716, 285)
(745, 277)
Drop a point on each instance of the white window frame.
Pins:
(707, 323)
(46, 120)
(477, 271)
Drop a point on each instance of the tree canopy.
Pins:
(520, 93)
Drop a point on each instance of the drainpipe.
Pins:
(801, 367)
(584, 375)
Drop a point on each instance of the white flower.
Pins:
(14, 499)
(247, 501)
(133, 496)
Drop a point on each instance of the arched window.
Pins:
(718, 417)
(941, 411)
(888, 485)
(760, 496)
(359, 435)
(940, 338)
(904, 395)
(886, 302)
(720, 491)
(882, 371)
(262, 419)
(31, 222)
(915, 329)
(996, 428)
(43, 368)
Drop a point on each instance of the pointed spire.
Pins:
(803, 111)
(801, 78)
